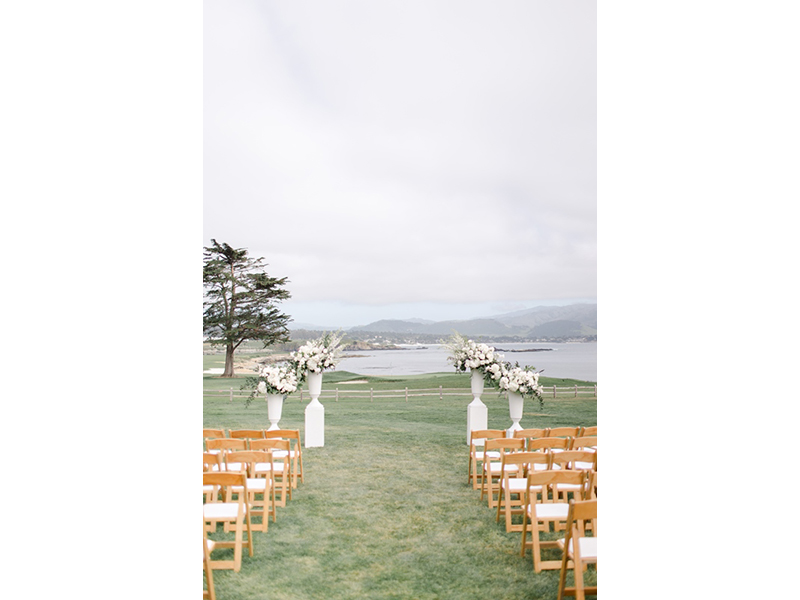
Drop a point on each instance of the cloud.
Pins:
(405, 152)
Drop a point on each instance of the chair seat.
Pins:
(583, 465)
(551, 510)
(515, 484)
(259, 484)
(491, 454)
(221, 511)
(266, 467)
(496, 467)
(569, 487)
(588, 548)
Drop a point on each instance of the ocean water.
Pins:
(560, 360)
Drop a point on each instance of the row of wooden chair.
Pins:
(234, 514)
(293, 435)
(551, 485)
(245, 479)
(534, 440)
(278, 467)
(512, 470)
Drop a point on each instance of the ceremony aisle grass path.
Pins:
(385, 511)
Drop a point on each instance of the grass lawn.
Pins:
(385, 510)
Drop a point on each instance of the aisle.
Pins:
(369, 520)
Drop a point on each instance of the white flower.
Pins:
(277, 379)
(317, 355)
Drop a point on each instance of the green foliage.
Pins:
(240, 301)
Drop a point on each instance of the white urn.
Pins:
(515, 404)
(274, 410)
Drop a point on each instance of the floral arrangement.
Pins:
(317, 355)
(272, 379)
(521, 380)
(466, 354)
(277, 379)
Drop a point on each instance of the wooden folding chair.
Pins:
(493, 467)
(246, 434)
(211, 462)
(555, 444)
(279, 467)
(477, 440)
(513, 486)
(235, 513)
(530, 434)
(589, 430)
(574, 460)
(563, 432)
(295, 452)
(225, 445)
(209, 434)
(538, 515)
(584, 442)
(265, 506)
(578, 549)
(208, 546)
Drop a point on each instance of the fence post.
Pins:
(576, 390)
(231, 396)
(595, 390)
(370, 394)
(406, 394)
(440, 393)
(337, 394)
(554, 391)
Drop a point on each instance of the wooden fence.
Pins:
(570, 391)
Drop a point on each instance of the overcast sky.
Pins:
(403, 159)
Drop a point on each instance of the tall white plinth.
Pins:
(315, 424)
(477, 416)
(315, 413)
(477, 412)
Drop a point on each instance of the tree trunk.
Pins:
(228, 372)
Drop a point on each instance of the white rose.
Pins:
(262, 387)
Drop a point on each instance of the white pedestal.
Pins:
(315, 424)
(315, 413)
(477, 416)
(477, 412)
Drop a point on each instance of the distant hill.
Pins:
(585, 314)
(394, 326)
(311, 327)
(551, 322)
